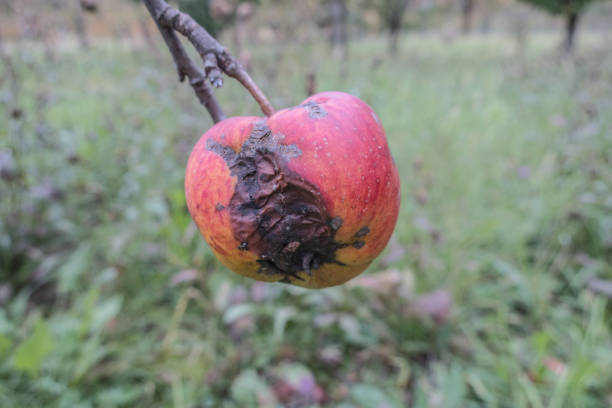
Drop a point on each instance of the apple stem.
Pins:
(216, 59)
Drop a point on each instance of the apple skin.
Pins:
(329, 152)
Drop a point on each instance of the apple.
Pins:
(308, 196)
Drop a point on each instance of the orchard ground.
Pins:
(111, 298)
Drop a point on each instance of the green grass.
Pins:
(505, 165)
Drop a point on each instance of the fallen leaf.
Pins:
(555, 365)
(248, 388)
(435, 305)
(295, 384)
(386, 282)
(330, 355)
(187, 275)
(31, 353)
(380, 282)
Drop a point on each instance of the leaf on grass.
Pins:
(479, 388)
(555, 365)
(104, 311)
(354, 332)
(250, 390)
(90, 353)
(368, 396)
(75, 266)
(330, 355)
(296, 384)
(435, 305)
(184, 276)
(6, 326)
(32, 351)
(386, 282)
(124, 395)
(222, 295)
(298, 376)
(5, 344)
(237, 311)
(452, 385)
(282, 315)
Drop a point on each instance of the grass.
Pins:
(507, 196)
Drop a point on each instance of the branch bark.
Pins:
(571, 22)
(215, 58)
(467, 13)
(187, 68)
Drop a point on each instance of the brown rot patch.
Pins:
(274, 212)
(314, 110)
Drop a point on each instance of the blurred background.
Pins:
(493, 292)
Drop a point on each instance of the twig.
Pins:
(216, 59)
(187, 68)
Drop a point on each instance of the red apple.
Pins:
(308, 196)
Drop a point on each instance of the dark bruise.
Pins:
(362, 232)
(314, 110)
(275, 212)
(358, 244)
(219, 207)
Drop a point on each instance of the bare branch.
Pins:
(187, 68)
(215, 57)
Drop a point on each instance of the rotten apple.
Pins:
(308, 196)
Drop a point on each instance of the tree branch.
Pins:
(216, 59)
(187, 68)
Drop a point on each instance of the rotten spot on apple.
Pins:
(308, 196)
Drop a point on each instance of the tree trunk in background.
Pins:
(80, 28)
(467, 13)
(393, 40)
(394, 14)
(6, 6)
(570, 30)
(338, 14)
(520, 30)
